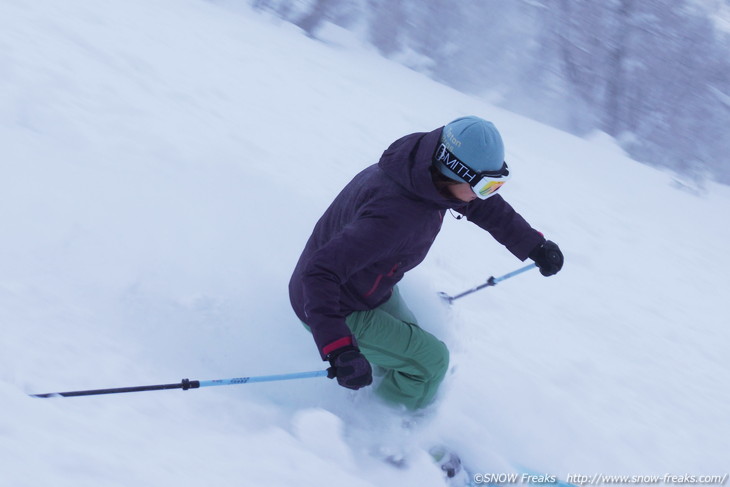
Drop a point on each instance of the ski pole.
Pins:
(492, 281)
(186, 384)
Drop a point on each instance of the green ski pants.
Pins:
(414, 360)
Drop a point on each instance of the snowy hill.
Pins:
(162, 166)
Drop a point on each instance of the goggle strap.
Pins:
(444, 156)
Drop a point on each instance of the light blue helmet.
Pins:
(474, 141)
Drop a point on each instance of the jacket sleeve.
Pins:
(359, 245)
(507, 226)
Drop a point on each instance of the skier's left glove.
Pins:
(350, 367)
(548, 257)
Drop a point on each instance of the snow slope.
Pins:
(162, 165)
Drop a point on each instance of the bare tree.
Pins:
(654, 74)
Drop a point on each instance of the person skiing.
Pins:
(380, 226)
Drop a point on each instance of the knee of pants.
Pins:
(438, 362)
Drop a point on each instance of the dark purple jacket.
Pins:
(379, 227)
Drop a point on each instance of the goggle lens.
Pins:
(487, 187)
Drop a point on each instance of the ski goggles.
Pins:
(483, 183)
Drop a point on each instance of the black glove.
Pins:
(548, 257)
(350, 367)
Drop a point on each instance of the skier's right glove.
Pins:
(350, 367)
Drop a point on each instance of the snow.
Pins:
(162, 166)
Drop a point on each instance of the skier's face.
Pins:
(461, 191)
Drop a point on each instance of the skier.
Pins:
(380, 226)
